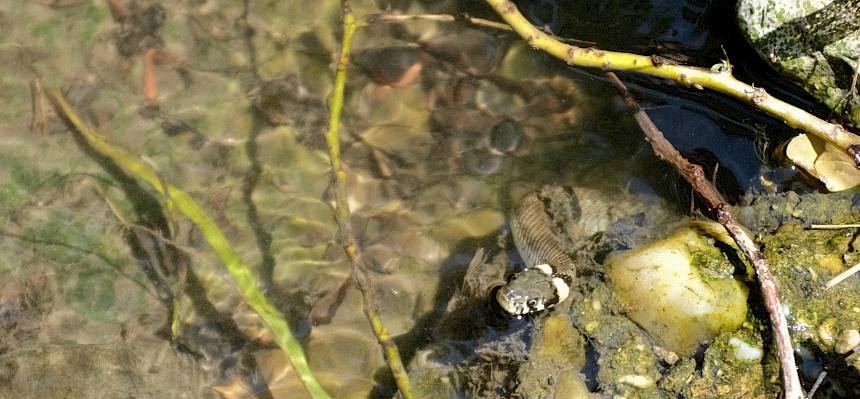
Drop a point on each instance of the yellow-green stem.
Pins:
(237, 268)
(721, 81)
(350, 245)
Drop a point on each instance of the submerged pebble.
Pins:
(826, 333)
(474, 51)
(506, 136)
(481, 163)
(390, 65)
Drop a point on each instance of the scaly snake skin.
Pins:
(549, 270)
(540, 222)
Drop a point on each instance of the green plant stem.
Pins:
(350, 246)
(237, 268)
(721, 81)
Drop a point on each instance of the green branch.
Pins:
(216, 239)
(350, 246)
(721, 81)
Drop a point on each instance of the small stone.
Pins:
(506, 136)
(638, 381)
(847, 340)
(481, 163)
(744, 351)
(666, 355)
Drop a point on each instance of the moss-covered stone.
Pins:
(557, 356)
(680, 289)
(816, 43)
(802, 262)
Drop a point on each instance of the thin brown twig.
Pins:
(129, 226)
(694, 175)
(486, 23)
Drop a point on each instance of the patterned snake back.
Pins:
(549, 270)
(540, 224)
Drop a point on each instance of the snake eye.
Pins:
(532, 303)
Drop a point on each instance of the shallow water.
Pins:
(435, 164)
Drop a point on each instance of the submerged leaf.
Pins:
(823, 161)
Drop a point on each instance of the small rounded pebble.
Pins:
(389, 65)
(481, 163)
(666, 355)
(847, 340)
(744, 351)
(638, 381)
(506, 136)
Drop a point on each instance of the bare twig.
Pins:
(694, 175)
(833, 226)
(486, 23)
(720, 80)
(842, 276)
(818, 381)
(350, 244)
(391, 18)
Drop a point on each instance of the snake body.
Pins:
(550, 219)
(549, 271)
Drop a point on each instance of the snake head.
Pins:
(531, 291)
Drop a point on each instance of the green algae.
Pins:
(558, 356)
(802, 261)
(813, 43)
(723, 374)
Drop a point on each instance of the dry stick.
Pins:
(833, 226)
(350, 244)
(817, 383)
(694, 175)
(721, 80)
(842, 276)
(391, 18)
(486, 23)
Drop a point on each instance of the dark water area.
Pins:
(709, 128)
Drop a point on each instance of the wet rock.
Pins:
(286, 101)
(674, 293)
(724, 375)
(472, 50)
(745, 352)
(394, 66)
(346, 355)
(433, 382)
(815, 43)
(481, 163)
(630, 370)
(768, 212)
